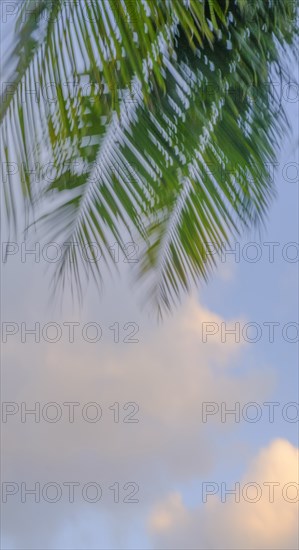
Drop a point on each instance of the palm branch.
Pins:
(164, 127)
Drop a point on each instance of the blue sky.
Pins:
(169, 373)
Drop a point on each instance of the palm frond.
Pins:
(154, 131)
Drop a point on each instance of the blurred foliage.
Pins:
(159, 119)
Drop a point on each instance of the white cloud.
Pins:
(168, 514)
(269, 523)
(169, 373)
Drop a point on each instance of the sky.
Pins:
(130, 446)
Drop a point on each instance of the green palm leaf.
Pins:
(153, 133)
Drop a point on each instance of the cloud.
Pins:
(169, 374)
(168, 514)
(270, 522)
